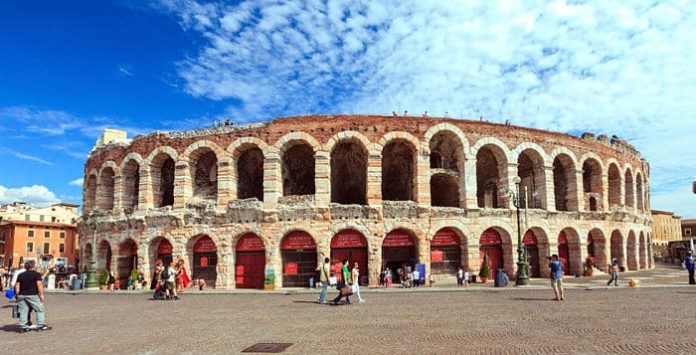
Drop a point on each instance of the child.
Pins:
(432, 280)
(201, 284)
(465, 280)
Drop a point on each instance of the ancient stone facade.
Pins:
(435, 191)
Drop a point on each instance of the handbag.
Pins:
(346, 291)
(15, 311)
(333, 280)
(10, 293)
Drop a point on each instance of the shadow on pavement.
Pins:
(10, 328)
(533, 299)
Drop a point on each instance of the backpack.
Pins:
(165, 274)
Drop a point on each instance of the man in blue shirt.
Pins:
(557, 277)
(689, 263)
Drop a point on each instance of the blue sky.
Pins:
(69, 69)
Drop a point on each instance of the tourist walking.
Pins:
(388, 277)
(30, 295)
(355, 277)
(344, 289)
(324, 275)
(690, 267)
(460, 277)
(169, 278)
(614, 272)
(415, 275)
(557, 277)
(112, 280)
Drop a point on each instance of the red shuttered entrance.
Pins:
(532, 248)
(398, 250)
(250, 262)
(491, 244)
(445, 252)
(205, 260)
(299, 254)
(352, 245)
(564, 252)
(164, 252)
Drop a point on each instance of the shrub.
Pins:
(485, 267)
(104, 278)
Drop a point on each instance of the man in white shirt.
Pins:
(416, 278)
(17, 273)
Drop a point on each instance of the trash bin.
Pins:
(311, 282)
(76, 283)
(499, 278)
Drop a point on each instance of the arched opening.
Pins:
(531, 246)
(298, 170)
(491, 244)
(596, 248)
(90, 193)
(103, 256)
(491, 175)
(205, 260)
(349, 173)
(642, 250)
(639, 193)
(299, 253)
(127, 262)
(530, 169)
(204, 171)
(632, 251)
(399, 171)
(592, 183)
(446, 252)
(131, 186)
(105, 190)
(565, 183)
(160, 252)
(250, 266)
(352, 245)
(162, 174)
(444, 191)
(617, 247)
(628, 183)
(399, 252)
(614, 177)
(446, 152)
(564, 252)
(250, 174)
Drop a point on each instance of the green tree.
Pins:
(485, 267)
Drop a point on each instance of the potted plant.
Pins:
(485, 272)
(104, 280)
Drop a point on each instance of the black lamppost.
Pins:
(522, 265)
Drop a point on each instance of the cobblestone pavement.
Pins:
(617, 320)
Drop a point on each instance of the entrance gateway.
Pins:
(531, 245)
(564, 252)
(299, 253)
(491, 244)
(352, 245)
(445, 252)
(398, 251)
(164, 252)
(127, 261)
(250, 262)
(205, 260)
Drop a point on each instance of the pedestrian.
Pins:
(381, 278)
(13, 282)
(182, 278)
(169, 277)
(465, 278)
(460, 276)
(432, 280)
(30, 295)
(324, 275)
(112, 280)
(344, 289)
(614, 272)
(355, 278)
(690, 266)
(415, 275)
(556, 277)
(388, 277)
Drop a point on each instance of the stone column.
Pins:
(322, 178)
(474, 256)
(509, 183)
(468, 184)
(272, 186)
(374, 176)
(422, 179)
(579, 194)
(374, 263)
(545, 188)
(118, 194)
(224, 182)
(182, 184)
(146, 199)
(605, 192)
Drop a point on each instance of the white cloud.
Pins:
(124, 71)
(35, 194)
(77, 182)
(619, 67)
(24, 156)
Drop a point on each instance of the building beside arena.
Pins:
(383, 191)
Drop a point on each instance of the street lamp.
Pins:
(92, 283)
(522, 266)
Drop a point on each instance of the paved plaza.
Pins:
(592, 320)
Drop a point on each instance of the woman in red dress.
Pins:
(183, 279)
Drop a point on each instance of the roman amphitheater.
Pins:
(237, 203)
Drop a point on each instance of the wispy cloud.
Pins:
(76, 182)
(124, 71)
(619, 67)
(24, 156)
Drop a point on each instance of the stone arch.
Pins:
(127, 261)
(347, 135)
(544, 159)
(447, 127)
(163, 174)
(130, 181)
(298, 250)
(205, 263)
(400, 246)
(197, 147)
(531, 170)
(399, 170)
(639, 193)
(444, 191)
(642, 251)
(617, 247)
(448, 250)
(592, 183)
(104, 255)
(203, 169)
(632, 251)
(565, 183)
(536, 243)
(106, 187)
(290, 139)
(506, 248)
(248, 160)
(251, 252)
(491, 173)
(348, 162)
(597, 248)
(90, 193)
(159, 252)
(400, 135)
(447, 151)
(614, 191)
(629, 193)
(574, 251)
(298, 168)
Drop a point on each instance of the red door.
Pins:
(491, 245)
(251, 262)
(564, 252)
(351, 245)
